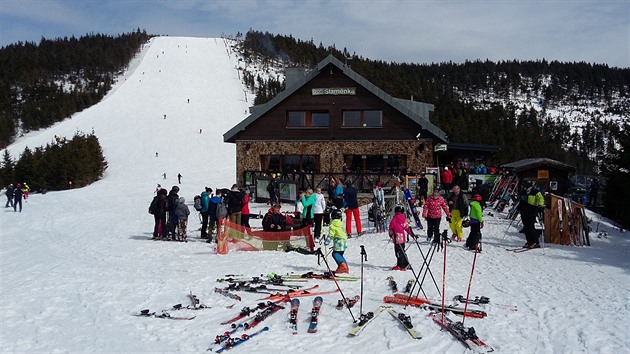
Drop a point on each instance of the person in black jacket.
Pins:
(458, 206)
(274, 220)
(17, 197)
(423, 187)
(159, 230)
(9, 194)
(235, 204)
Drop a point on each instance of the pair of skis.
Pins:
(415, 301)
(293, 315)
(466, 335)
(164, 315)
(299, 293)
(368, 317)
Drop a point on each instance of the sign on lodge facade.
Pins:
(330, 121)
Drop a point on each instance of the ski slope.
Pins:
(75, 264)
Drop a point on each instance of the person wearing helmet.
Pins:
(533, 206)
(339, 239)
(171, 224)
(398, 231)
(432, 213)
(447, 179)
(476, 223)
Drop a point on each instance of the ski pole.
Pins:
(332, 275)
(444, 279)
(470, 283)
(363, 257)
(428, 269)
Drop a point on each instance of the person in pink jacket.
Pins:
(398, 231)
(432, 212)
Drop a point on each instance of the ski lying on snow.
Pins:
(220, 338)
(405, 321)
(164, 315)
(262, 315)
(317, 304)
(483, 301)
(466, 335)
(233, 342)
(323, 276)
(227, 293)
(351, 302)
(299, 293)
(401, 299)
(365, 319)
(246, 311)
(295, 306)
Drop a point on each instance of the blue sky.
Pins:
(415, 31)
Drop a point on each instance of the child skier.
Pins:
(398, 231)
(476, 223)
(339, 239)
(182, 213)
(432, 212)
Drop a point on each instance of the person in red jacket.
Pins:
(432, 212)
(447, 179)
(398, 231)
(245, 210)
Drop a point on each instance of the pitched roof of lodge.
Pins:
(416, 111)
(526, 164)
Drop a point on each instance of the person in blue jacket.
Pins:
(212, 211)
(205, 203)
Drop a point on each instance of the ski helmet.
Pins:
(477, 197)
(399, 209)
(335, 214)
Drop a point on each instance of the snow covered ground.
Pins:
(74, 265)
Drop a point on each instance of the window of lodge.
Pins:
(376, 163)
(308, 119)
(290, 163)
(363, 119)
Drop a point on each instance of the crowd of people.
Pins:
(314, 209)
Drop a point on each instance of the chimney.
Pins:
(293, 75)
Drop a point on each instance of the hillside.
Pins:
(74, 265)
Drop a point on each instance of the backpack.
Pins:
(197, 203)
(222, 210)
(153, 208)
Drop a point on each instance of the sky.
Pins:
(412, 31)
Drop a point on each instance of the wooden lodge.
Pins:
(333, 122)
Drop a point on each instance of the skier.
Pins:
(173, 200)
(179, 178)
(535, 204)
(458, 206)
(379, 205)
(205, 203)
(476, 223)
(17, 197)
(213, 203)
(351, 205)
(339, 239)
(318, 211)
(25, 189)
(432, 213)
(160, 214)
(182, 212)
(447, 179)
(9, 194)
(164, 175)
(398, 231)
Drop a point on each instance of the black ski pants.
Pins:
(433, 228)
(529, 220)
(474, 237)
(204, 224)
(401, 256)
(319, 221)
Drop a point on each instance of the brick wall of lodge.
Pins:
(419, 153)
